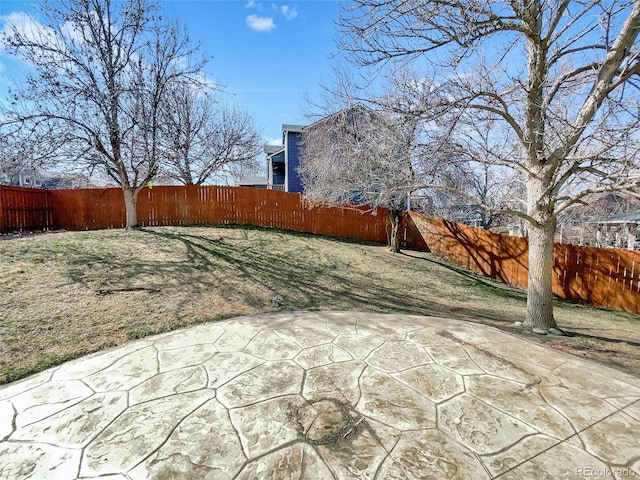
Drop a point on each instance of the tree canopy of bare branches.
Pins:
(100, 73)
(358, 155)
(544, 90)
(201, 138)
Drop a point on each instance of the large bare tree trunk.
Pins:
(394, 242)
(540, 293)
(130, 202)
(540, 290)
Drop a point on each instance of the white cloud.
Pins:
(260, 24)
(20, 20)
(30, 29)
(255, 5)
(288, 12)
(24, 24)
(267, 23)
(273, 140)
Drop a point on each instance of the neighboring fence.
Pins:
(88, 209)
(24, 209)
(597, 276)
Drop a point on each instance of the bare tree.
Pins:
(464, 170)
(202, 138)
(359, 156)
(23, 149)
(460, 180)
(401, 102)
(101, 70)
(553, 82)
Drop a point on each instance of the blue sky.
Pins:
(267, 54)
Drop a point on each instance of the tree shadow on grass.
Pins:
(248, 270)
(500, 288)
(307, 282)
(506, 290)
(581, 334)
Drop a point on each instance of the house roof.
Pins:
(292, 128)
(272, 149)
(354, 107)
(633, 217)
(253, 180)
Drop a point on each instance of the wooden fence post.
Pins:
(2, 214)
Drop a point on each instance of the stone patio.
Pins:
(323, 396)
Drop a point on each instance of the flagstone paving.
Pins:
(323, 396)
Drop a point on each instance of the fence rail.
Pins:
(602, 277)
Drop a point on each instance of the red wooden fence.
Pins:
(24, 209)
(602, 277)
(88, 209)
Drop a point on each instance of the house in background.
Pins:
(253, 182)
(606, 220)
(35, 179)
(283, 160)
(275, 166)
(22, 178)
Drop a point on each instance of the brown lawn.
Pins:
(66, 294)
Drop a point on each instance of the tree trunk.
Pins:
(130, 202)
(540, 292)
(396, 218)
(540, 289)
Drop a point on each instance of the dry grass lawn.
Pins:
(63, 295)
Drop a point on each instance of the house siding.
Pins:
(293, 162)
(277, 165)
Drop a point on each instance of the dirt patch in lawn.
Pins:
(63, 295)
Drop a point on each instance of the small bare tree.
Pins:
(101, 70)
(553, 84)
(202, 138)
(359, 156)
(401, 102)
(461, 187)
